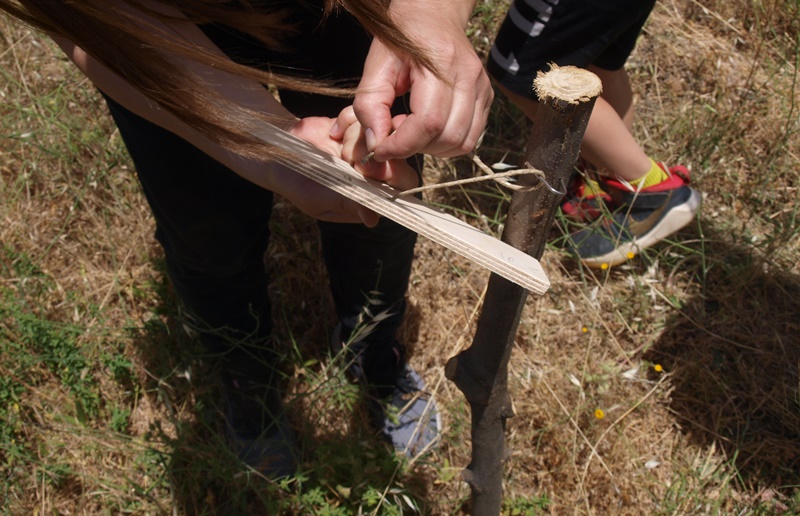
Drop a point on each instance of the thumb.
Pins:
(373, 111)
(381, 83)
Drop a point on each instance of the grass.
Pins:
(691, 350)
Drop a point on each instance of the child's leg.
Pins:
(607, 143)
(650, 201)
(594, 35)
(617, 92)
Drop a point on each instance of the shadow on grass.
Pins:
(343, 465)
(733, 354)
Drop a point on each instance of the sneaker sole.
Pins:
(679, 217)
(422, 418)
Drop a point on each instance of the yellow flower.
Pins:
(631, 254)
(658, 368)
(584, 329)
(599, 414)
(604, 266)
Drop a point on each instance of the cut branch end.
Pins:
(567, 84)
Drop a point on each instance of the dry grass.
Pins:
(102, 410)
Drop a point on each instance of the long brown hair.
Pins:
(112, 34)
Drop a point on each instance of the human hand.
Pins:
(446, 117)
(395, 172)
(323, 203)
(310, 197)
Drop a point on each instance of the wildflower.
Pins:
(657, 368)
(584, 329)
(631, 254)
(604, 266)
(599, 414)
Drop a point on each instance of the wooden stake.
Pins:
(567, 96)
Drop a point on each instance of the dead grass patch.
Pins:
(714, 430)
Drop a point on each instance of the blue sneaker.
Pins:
(400, 409)
(640, 219)
(273, 454)
(257, 428)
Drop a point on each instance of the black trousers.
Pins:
(214, 225)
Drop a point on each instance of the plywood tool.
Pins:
(456, 235)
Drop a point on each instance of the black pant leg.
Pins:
(213, 226)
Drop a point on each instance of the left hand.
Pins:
(395, 172)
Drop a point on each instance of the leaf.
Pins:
(652, 463)
(502, 167)
(408, 500)
(631, 374)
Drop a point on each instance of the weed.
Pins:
(57, 347)
(523, 506)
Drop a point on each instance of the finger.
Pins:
(401, 175)
(466, 120)
(454, 138)
(383, 79)
(446, 120)
(354, 151)
(397, 120)
(430, 105)
(315, 130)
(373, 110)
(346, 211)
(354, 145)
(397, 173)
(346, 118)
(481, 116)
(368, 217)
(350, 212)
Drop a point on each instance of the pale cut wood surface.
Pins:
(444, 229)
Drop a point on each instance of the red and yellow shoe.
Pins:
(639, 219)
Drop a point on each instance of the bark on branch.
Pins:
(567, 96)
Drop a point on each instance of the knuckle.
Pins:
(468, 145)
(433, 125)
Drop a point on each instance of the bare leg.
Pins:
(617, 92)
(608, 143)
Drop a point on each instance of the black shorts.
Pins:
(535, 33)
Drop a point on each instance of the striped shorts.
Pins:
(535, 33)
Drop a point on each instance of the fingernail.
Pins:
(335, 129)
(369, 135)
